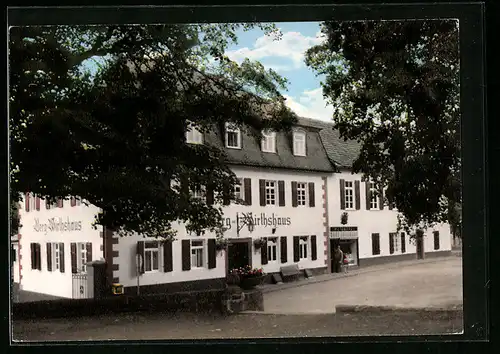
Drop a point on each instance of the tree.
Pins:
(395, 89)
(15, 221)
(116, 137)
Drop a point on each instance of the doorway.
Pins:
(420, 247)
(334, 242)
(238, 254)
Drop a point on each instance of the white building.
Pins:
(295, 186)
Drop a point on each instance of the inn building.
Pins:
(300, 200)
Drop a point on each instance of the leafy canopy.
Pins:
(115, 136)
(395, 89)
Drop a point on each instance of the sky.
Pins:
(286, 56)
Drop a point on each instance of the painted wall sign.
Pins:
(344, 228)
(57, 224)
(262, 219)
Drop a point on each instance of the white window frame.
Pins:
(396, 242)
(299, 143)
(81, 258)
(56, 256)
(193, 135)
(349, 195)
(231, 128)
(32, 201)
(303, 246)
(373, 197)
(268, 143)
(302, 194)
(271, 192)
(272, 243)
(198, 246)
(239, 191)
(149, 251)
(198, 193)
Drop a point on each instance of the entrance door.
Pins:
(334, 242)
(238, 254)
(420, 247)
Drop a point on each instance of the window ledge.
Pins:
(234, 147)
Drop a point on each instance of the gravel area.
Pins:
(192, 326)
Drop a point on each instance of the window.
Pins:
(299, 144)
(268, 141)
(56, 255)
(35, 256)
(303, 245)
(82, 257)
(233, 136)
(396, 242)
(193, 135)
(349, 194)
(301, 193)
(270, 192)
(198, 192)
(151, 254)
(49, 205)
(32, 201)
(197, 254)
(436, 240)
(373, 196)
(238, 189)
(375, 244)
(272, 249)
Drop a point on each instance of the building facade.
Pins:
(299, 202)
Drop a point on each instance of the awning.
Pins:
(344, 232)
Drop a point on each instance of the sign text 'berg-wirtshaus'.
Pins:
(57, 224)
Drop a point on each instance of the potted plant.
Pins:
(220, 244)
(259, 242)
(249, 278)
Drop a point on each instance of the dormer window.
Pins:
(299, 143)
(193, 135)
(233, 136)
(268, 141)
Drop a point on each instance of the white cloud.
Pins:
(291, 46)
(310, 104)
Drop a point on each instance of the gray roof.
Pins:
(342, 153)
(324, 148)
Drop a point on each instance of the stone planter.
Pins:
(233, 279)
(249, 283)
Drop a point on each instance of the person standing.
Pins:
(338, 256)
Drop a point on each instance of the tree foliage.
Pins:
(395, 89)
(116, 137)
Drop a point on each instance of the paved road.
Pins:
(189, 326)
(423, 285)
